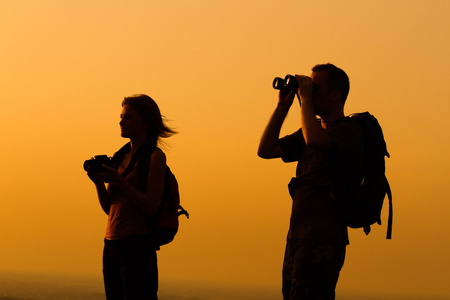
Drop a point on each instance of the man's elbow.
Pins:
(263, 154)
(269, 153)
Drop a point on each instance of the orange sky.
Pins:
(66, 65)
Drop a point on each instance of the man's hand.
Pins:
(286, 97)
(305, 88)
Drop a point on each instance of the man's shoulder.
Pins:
(346, 122)
(347, 135)
(346, 125)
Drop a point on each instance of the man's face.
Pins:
(321, 95)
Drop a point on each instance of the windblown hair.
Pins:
(337, 79)
(149, 112)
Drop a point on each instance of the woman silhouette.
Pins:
(129, 257)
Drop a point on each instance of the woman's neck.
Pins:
(137, 142)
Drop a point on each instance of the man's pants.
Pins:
(311, 270)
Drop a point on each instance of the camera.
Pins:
(94, 165)
(288, 83)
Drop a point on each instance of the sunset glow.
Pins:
(66, 66)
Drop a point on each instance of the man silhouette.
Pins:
(329, 151)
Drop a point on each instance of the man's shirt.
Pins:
(323, 177)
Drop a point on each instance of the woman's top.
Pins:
(125, 219)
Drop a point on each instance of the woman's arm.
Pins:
(148, 202)
(102, 193)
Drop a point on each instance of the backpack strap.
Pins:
(143, 154)
(118, 156)
(143, 164)
(182, 211)
(391, 213)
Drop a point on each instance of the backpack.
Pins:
(164, 225)
(364, 208)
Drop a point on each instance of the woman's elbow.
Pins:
(153, 207)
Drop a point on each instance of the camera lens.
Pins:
(95, 164)
(88, 165)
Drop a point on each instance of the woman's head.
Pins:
(150, 115)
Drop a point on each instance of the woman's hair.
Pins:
(150, 114)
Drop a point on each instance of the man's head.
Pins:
(336, 81)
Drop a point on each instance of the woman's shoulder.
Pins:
(158, 155)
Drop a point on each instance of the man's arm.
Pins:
(268, 146)
(315, 136)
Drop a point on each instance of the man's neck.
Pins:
(329, 120)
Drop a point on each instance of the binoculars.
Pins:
(288, 83)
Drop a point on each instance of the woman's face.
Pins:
(131, 124)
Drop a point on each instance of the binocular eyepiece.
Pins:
(288, 83)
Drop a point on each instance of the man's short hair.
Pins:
(337, 79)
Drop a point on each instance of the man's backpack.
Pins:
(164, 226)
(365, 207)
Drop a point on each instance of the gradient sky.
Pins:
(65, 67)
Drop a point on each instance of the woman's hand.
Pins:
(95, 178)
(110, 175)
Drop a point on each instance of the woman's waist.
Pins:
(125, 226)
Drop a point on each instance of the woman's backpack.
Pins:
(164, 225)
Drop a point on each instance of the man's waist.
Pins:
(296, 182)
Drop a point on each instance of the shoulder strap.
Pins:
(143, 164)
(118, 156)
(144, 150)
(391, 213)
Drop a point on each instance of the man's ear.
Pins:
(336, 95)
